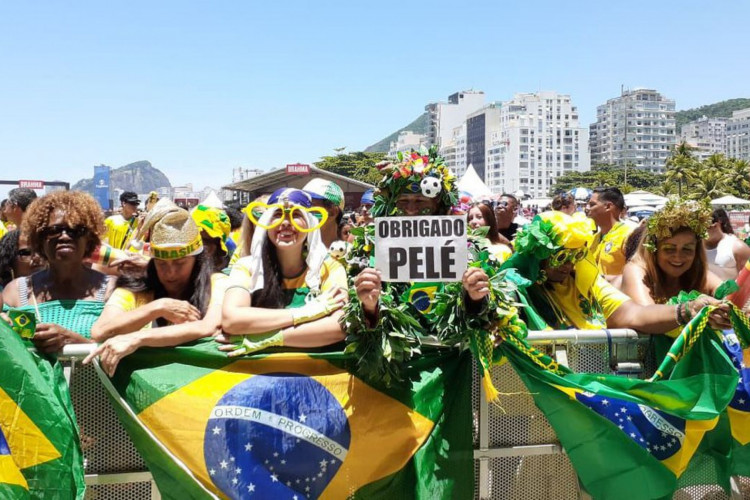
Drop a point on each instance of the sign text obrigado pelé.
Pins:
(421, 249)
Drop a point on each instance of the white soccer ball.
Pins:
(338, 249)
(430, 187)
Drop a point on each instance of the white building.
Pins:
(706, 135)
(446, 116)
(529, 141)
(454, 151)
(636, 129)
(406, 141)
(738, 135)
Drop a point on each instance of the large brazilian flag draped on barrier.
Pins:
(630, 438)
(40, 454)
(296, 425)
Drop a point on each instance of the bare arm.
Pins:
(113, 350)
(239, 318)
(712, 283)
(10, 293)
(654, 318)
(321, 332)
(115, 321)
(633, 286)
(741, 254)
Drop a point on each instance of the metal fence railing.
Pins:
(517, 455)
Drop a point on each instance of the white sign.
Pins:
(421, 249)
(31, 184)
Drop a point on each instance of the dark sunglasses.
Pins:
(24, 252)
(57, 230)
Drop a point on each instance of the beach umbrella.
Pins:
(730, 200)
(580, 193)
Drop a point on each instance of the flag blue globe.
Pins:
(281, 435)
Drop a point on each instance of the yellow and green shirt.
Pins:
(585, 312)
(608, 251)
(119, 230)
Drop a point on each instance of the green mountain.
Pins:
(418, 126)
(140, 177)
(716, 110)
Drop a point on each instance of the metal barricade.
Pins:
(517, 455)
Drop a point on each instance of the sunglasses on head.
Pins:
(51, 232)
(564, 256)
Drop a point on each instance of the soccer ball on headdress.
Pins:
(430, 187)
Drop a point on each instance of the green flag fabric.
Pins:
(286, 425)
(40, 454)
(630, 438)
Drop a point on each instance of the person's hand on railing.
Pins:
(112, 351)
(240, 345)
(50, 338)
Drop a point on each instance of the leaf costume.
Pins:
(409, 313)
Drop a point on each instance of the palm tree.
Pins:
(681, 166)
(710, 185)
(738, 176)
(666, 188)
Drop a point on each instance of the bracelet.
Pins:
(678, 315)
(688, 313)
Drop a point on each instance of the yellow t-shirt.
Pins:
(119, 231)
(586, 313)
(3, 229)
(332, 274)
(125, 300)
(608, 250)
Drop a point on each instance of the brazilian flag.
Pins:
(630, 438)
(296, 425)
(40, 454)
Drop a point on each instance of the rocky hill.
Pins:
(140, 177)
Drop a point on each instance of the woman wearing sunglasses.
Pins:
(177, 301)
(285, 293)
(16, 258)
(68, 296)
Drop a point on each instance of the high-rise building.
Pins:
(454, 151)
(636, 129)
(446, 116)
(405, 142)
(738, 135)
(528, 141)
(706, 135)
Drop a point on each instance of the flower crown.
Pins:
(678, 214)
(418, 172)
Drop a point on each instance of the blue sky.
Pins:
(198, 88)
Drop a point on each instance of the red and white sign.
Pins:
(298, 169)
(31, 184)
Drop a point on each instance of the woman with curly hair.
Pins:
(64, 228)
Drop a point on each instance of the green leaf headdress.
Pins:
(678, 214)
(418, 172)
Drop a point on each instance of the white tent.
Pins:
(212, 201)
(730, 200)
(473, 184)
(644, 198)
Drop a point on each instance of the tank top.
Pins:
(721, 259)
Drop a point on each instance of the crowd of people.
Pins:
(165, 276)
